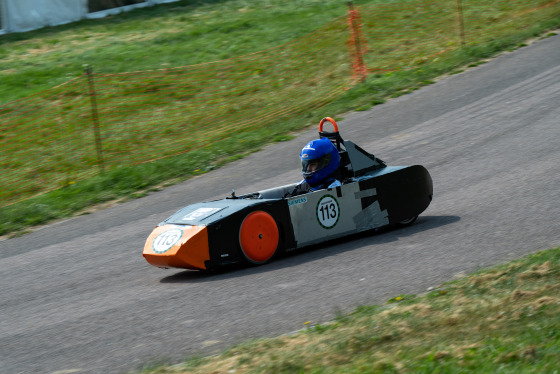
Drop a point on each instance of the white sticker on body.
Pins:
(166, 240)
(328, 211)
(200, 213)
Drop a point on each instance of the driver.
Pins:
(319, 166)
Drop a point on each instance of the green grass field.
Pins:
(500, 320)
(155, 125)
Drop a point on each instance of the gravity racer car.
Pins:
(256, 227)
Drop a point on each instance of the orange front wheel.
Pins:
(259, 237)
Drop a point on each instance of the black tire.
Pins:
(407, 222)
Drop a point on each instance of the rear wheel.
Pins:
(259, 237)
(408, 222)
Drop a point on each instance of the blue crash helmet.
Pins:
(324, 158)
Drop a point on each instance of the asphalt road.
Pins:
(77, 296)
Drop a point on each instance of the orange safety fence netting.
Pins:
(407, 34)
(48, 140)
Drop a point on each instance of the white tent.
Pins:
(25, 15)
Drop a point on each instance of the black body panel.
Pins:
(404, 193)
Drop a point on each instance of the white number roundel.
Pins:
(328, 212)
(164, 241)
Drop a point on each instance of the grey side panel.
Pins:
(334, 212)
(371, 216)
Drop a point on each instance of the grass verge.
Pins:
(499, 320)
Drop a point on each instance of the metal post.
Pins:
(461, 24)
(95, 119)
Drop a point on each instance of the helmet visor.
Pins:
(309, 167)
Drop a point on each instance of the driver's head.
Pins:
(319, 159)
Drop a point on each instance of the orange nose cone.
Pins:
(178, 246)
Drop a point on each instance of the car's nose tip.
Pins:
(178, 246)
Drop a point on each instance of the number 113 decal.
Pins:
(328, 211)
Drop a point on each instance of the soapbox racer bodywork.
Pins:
(256, 227)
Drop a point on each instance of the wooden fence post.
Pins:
(95, 119)
(461, 24)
